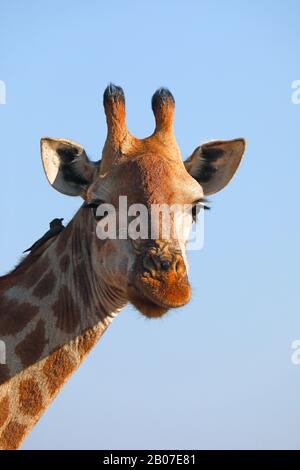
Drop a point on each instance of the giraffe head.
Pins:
(149, 172)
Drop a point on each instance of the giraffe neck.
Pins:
(53, 310)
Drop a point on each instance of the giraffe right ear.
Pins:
(67, 166)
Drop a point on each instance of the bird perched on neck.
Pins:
(56, 227)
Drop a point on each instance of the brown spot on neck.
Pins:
(30, 397)
(4, 373)
(4, 410)
(19, 274)
(12, 436)
(83, 284)
(31, 348)
(64, 263)
(35, 272)
(45, 286)
(57, 368)
(14, 316)
(64, 238)
(66, 311)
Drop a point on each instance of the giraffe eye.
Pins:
(94, 204)
(197, 208)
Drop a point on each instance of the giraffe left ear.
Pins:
(67, 166)
(213, 164)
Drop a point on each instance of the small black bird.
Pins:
(56, 227)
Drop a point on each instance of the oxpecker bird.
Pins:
(56, 227)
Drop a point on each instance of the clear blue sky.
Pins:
(217, 373)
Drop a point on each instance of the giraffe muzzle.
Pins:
(159, 282)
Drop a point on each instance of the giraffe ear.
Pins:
(213, 164)
(67, 166)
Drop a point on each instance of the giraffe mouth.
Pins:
(156, 302)
(158, 282)
(144, 305)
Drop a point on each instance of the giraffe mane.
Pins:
(25, 262)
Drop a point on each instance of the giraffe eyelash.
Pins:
(203, 203)
(94, 204)
(198, 205)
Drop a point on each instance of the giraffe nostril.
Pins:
(165, 265)
(154, 264)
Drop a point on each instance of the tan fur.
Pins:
(30, 397)
(4, 410)
(12, 435)
(57, 368)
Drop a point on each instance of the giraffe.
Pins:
(60, 299)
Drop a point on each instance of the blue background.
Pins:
(217, 373)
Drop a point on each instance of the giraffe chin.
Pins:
(154, 303)
(146, 307)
